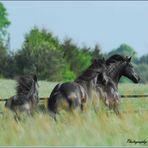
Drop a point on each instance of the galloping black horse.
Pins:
(117, 66)
(73, 94)
(26, 97)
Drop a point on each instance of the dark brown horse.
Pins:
(26, 98)
(117, 66)
(73, 94)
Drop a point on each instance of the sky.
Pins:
(107, 23)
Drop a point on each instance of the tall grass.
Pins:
(76, 129)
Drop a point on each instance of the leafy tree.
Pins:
(124, 50)
(78, 58)
(10, 68)
(41, 54)
(143, 59)
(4, 22)
(3, 59)
(96, 53)
(142, 70)
(37, 38)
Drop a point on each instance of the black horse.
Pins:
(117, 66)
(26, 98)
(73, 94)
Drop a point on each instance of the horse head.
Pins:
(121, 66)
(129, 71)
(96, 70)
(27, 85)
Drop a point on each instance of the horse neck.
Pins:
(33, 92)
(90, 82)
(87, 85)
(115, 73)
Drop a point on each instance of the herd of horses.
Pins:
(99, 82)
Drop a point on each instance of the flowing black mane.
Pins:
(92, 70)
(96, 63)
(115, 58)
(25, 84)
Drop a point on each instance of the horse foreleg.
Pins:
(53, 115)
(117, 112)
(30, 113)
(82, 107)
(16, 117)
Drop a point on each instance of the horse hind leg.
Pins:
(29, 113)
(116, 109)
(82, 107)
(53, 116)
(117, 112)
(74, 102)
(53, 111)
(53, 107)
(17, 117)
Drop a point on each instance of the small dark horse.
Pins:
(26, 98)
(117, 66)
(73, 94)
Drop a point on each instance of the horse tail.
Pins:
(73, 100)
(52, 100)
(61, 101)
(60, 98)
(8, 103)
(52, 104)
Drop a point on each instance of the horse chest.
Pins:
(23, 107)
(26, 106)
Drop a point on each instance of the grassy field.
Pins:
(77, 129)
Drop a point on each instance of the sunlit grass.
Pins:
(82, 129)
(79, 128)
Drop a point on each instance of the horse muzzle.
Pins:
(136, 78)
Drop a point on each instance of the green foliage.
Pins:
(96, 53)
(36, 39)
(68, 75)
(124, 50)
(78, 58)
(4, 56)
(41, 54)
(3, 59)
(142, 69)
(4, 22)
(143, 59)
(10, 69)
(84, 61)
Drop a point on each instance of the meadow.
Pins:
(89, 128)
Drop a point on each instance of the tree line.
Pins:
(51, 59)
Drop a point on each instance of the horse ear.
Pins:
(35, 78)
(129, 59)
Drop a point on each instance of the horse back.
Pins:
(70, 93)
